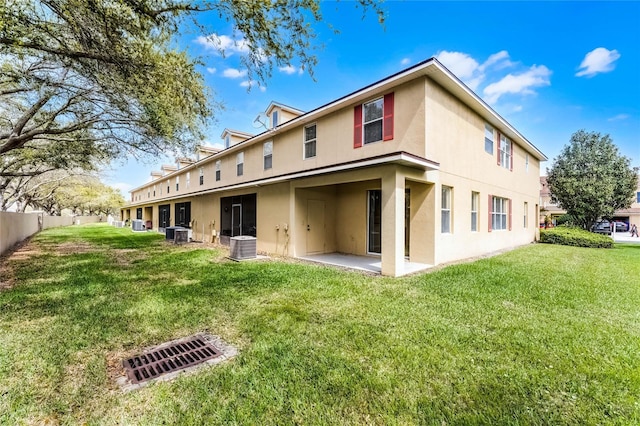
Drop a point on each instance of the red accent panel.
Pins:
(510, 215)
(387, 123)
(357, 126)
(490, 207)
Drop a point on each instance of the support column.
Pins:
(393, 183)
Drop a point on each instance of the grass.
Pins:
(541, 335)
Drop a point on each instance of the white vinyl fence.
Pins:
(15, 227)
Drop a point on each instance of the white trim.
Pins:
(403, 158)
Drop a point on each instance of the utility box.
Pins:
(243, 247)
(148, 224)
(137, 225)
(181, 236)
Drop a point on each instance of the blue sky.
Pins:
(549, 68)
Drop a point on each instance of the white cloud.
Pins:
(291, 70)
(234, 73)
(223, 43)
(619, 117)
(523, 83)
(211, 70)
(253, 83)
(469, 70)
(500, 60)
(461, 64)
(405, 61)
(597, 61)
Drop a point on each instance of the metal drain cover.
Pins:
(168, 358)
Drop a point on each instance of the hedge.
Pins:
(577, 237)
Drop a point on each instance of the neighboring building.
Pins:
(548, 207)
(413, 168)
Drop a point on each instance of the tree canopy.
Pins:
(85, 81)
(590, 179)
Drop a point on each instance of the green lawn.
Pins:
(540, 335)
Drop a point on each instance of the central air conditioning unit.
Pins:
(243, 247)
(170, 232)
(137, 225)
(181, 236)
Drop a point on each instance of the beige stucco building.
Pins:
(412, 168)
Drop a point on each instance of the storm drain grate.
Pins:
(168, 359)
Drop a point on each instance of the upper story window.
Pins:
(638, 197)
(201, 171)
(274, 119)
(168, 184)
(526, 163)
(310, 141)
(148, 193)
(154, 190)
(488, 139)
(218, 164)
(188, 179)
(240, 164)
(373, 121)
(446, 209)
(500, 213)
(506, 153)
(267, 150)
(177, 183)
(227, 141)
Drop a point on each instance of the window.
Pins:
(373, 121)
(154, 190)
(177, 183)
(227, 141)
(526, 163)
(475, 200)
(240, 164)
(201, 175)
(268, 154)
(188, 179)
(446, 210)
(218, 163)
(168, 184)
(488, 139)
(374, 221)
(500, 213)
(148, 193)
(526, 213)
(504, 156)
(638, 197)
(274, 119)
(310, 141)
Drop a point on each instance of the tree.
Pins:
(590, 179)
(107, 73)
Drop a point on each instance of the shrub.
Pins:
(566, 219)
(574, 237)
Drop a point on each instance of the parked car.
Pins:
(602, 227)
(621, 227)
